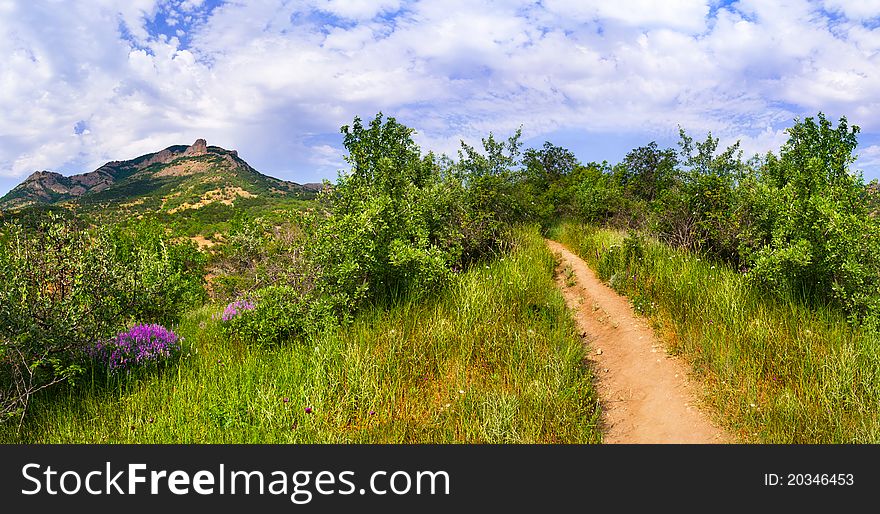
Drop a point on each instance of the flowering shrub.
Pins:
(64, 286)
(277, 314)
(142, 345)
(235, 308)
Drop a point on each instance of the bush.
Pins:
(258, 254)
(819, 240)
(397, 225)
(276, 314)
(62, 288)
(387, 229)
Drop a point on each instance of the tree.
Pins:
(383, 231)
(821, 242)
(647, 170)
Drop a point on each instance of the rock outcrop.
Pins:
(200, 147)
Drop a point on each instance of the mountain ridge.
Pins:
(196, 174)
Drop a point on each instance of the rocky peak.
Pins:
(200, 147)
(38, 176)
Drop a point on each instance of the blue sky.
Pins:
(83, 83)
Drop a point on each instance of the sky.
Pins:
(83, 83)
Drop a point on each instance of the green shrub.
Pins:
(62, 288)
(399, 222)
(818, 239)
(275, 314)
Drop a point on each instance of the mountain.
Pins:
(177, 179)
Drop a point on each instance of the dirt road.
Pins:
(646, 395)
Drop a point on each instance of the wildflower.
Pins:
(235, 308)
(140, 345)
(372, 413)
(308, 410)
(285, 399)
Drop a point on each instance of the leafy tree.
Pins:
(382, 233)
(596, 193)
(697, 209)
(547, 179)
(647, 171)
(821, 241)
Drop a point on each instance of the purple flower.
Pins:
(235, 308)
(139, 346)
(308, 410)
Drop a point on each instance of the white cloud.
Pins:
(869, 157)
(765, 141)
(271, 78)
(855, 9)
(356, 9)
(685, 15)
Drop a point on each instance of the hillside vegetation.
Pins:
(492, 358)
(403, 307)
(413, 300)
(193, 191)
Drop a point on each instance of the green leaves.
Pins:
(819, 239)
(62, 288)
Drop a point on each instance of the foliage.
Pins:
(399, 222)
(259, 253)
(819, 239)
(595, 195)
(647, 171)
(493, 357)
(63, 287)
(276, 314)
(801, 222)
(382, 230)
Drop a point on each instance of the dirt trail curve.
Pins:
(645, 394)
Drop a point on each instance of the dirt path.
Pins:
(645, 394)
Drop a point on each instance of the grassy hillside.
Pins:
(778, 370)
(493, 358)
(192, 191)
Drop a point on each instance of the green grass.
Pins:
(494, 358)
(777, 370)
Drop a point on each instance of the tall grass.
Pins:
(778, 371)
(493, 358)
